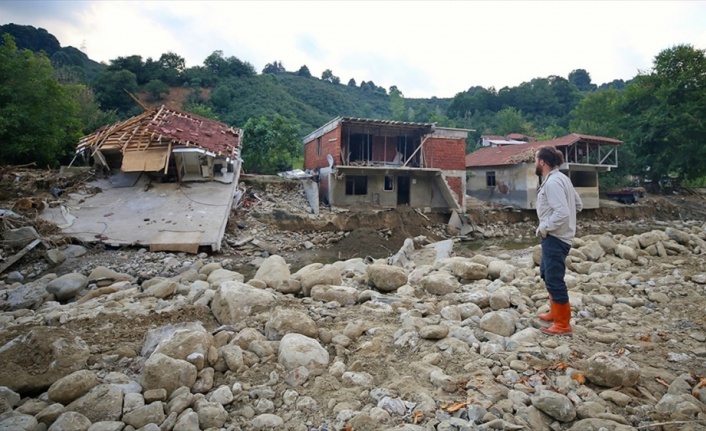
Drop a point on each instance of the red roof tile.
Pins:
(514, 154)
(162, 127)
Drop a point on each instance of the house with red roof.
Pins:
(388, 163)
(143, 200)
(505, 174)
(168, 143)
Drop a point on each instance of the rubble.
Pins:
(352, 348)
(415, 332)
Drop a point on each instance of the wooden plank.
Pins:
(11, 261)
(166, 163)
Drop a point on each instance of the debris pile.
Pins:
(434, 342)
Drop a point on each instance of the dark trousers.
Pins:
(553, 268)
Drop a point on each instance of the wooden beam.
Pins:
(169, 152)
(11, 261)
(415, 151)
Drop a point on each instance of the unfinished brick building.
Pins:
(388, 163)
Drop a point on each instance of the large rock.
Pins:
(67, 286)
(152, 413)
(650, 238)
(234, 301)
(161, 371)
(103, 403)
(157, 336)
(386, 278)
(465, 269)
(73, 386)
(592, 250)
(440, 283)
(556, 405)
(71, 421)
(273, 271)
(103, 276)
(185, 342)
(34, 361)
(296, 350)
(159, 288)
(218, 276)
(31, 295)
(610, 370)
(342, 294)
(625, 252)
(8, 399)
(498, 322)
(283, 322)
(329, 274)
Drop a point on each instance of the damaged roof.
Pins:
(424, 128)
(164, 127)
(514, 154)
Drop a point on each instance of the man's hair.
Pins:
(551, 156)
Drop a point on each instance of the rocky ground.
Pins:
(361, 320)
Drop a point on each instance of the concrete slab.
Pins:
(159, 216)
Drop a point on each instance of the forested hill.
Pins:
(40, 40)
(658, 114)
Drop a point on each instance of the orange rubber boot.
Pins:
(562, 316)
(548, 317)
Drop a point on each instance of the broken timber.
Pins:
(11, 261)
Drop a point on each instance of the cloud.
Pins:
(426, 49)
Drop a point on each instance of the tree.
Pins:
(38, 116)
(598, 114)
(90, 114)
(275, 67)
(476, 99)
(201, 110)
(616, 84)
(112, 89)
(171, 60)
(510, 120)
(171, 68)
(156, 89)
(270, 144)
(665, 111)
(582, 80)
(223, 67)
(328, 76)
(304, 71)
(132, 63)
(352, 83)
(397, 104)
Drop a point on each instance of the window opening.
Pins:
(389, 183)
(356, 185)
(490, 179)
(360, 146)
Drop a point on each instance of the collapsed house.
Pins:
(172, 179)
(169, 143)
(505, 174)
(388, 163)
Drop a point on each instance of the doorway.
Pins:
(403, 190)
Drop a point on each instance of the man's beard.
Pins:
(538, 170)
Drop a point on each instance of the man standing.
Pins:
(557, 205)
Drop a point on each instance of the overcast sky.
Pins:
(425, 48)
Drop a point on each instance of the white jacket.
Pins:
(557, 205)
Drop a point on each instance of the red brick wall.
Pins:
(330, 144)
(444, 153)
(384, 152)
(456, 184)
